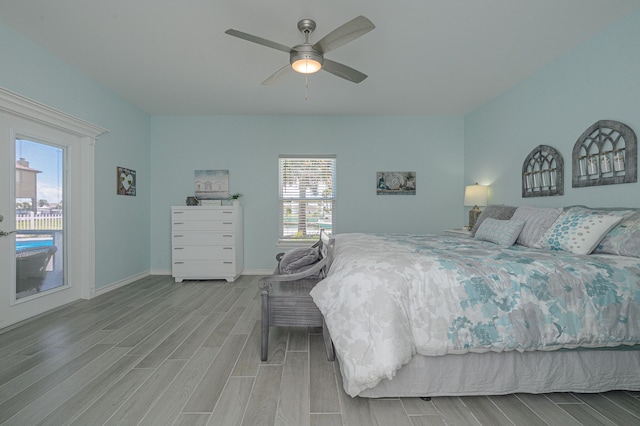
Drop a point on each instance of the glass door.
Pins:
(39, 210)
(35, 248)
(57, 150)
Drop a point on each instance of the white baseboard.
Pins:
(118, 284)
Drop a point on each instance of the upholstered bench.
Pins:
(286, 300)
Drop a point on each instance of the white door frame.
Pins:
(81, 199)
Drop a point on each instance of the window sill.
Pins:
(287, 245)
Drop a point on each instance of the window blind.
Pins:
(306, 196)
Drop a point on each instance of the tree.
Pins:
(42, 203)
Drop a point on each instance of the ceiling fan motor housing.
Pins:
(303, 52)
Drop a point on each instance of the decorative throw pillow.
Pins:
(298, 260)
(502, 232)
(500, 212)
(578, 232)
(624, 238)
(536, 221)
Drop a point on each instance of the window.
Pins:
(307, 196)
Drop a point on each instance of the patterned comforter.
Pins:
(388, 297)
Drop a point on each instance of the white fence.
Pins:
(31, 221)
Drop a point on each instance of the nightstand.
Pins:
(458, 232)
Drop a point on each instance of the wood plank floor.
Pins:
(159, 353)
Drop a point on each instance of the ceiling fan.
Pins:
(307, 58)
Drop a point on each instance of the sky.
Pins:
(49, 160)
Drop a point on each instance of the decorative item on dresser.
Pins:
(206, 242)
(235, 198)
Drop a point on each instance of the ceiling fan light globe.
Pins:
(305, 59)
(306, 66)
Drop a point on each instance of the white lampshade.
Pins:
(475, 195)
(306, 66)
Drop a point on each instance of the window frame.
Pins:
(323, 201)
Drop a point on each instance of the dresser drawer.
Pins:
(202, 269)
(203, 253)
(203, 225)
(197, 238)
(200, 213)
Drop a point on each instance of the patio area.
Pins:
(39, 262)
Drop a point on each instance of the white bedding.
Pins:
(387, 298)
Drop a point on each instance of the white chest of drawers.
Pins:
(206, 243)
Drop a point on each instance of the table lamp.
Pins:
(475, 195)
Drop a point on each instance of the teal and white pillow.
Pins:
(578, 232)
(502, 232)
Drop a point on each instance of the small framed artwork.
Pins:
(126, 181)
(396, 183)
(211, 184)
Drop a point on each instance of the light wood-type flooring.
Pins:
(159, 353)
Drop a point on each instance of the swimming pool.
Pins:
(25, 244)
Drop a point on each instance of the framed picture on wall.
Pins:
(211, 184)
(126, 181)
(396, 183)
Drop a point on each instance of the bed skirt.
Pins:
(583, 371)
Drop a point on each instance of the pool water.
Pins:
(21, 245)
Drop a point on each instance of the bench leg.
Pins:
(264, 351)
(328, 344)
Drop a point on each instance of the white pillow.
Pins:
(502, 232)
(578, 232)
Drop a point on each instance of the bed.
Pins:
(432, 315)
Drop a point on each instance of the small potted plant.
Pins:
(235, 198)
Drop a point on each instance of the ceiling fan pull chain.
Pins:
(306, 87)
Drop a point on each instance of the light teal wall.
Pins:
(248, 147)
(598, 80)
(122, 223)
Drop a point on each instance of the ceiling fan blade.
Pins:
(258, 40)
(276, 75)
(343, 71)
(344, 34)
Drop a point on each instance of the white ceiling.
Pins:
(425, 57)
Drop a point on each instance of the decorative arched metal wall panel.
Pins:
(543, 173)
(606, 153)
